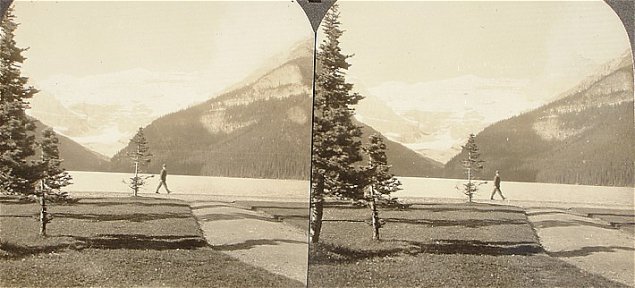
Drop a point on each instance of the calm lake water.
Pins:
(194, 185)
(519, 191)
(298, 190)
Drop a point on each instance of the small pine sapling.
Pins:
(377, 178)
(472, 165)
(53, 176)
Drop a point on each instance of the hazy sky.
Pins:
(91, 38)
(549, 45)
(428, 41)
(491, 58)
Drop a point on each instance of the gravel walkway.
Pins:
(588, 243)
(254, 238)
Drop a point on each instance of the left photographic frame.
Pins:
(156, 143)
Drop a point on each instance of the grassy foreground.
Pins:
(473, 245)
(117, 242)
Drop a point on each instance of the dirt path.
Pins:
(588, 243)
(254, 238)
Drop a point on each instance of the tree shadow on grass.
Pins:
(271, 216)
(207, 206)
(539, 213)
(590, 212)
(32, 215)
(475, 207)
(586, 251)
(569, 223)
(249, 244)
(268, 207)
(102, 202)
(435, 207)
(290, 217)
(288, 213)
(105, 241)
(468, 223)
(133, 217)
(139, 241)
(10, 251)
(233, 216)
(131, 203)
(475, 247)
(331, 253)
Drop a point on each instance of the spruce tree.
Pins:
(140, 156)
(472, 165)
(336, 143)
(17, 136)
(379, 180)
(55, 177)
(4, 5)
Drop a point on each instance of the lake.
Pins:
(414, 189)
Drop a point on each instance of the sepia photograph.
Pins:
(155, 144)
(317, 143)
(473, 144)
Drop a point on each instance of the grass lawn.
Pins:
(452, 245)
(117, 242)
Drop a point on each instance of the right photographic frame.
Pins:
(472, 144)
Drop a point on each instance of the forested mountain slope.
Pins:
(586, 137)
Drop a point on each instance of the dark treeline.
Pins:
(602, 153)
(404, 162)
(587, 138)
(271, 146)
(76, 157)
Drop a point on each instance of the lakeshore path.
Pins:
(593, 244)
(254, 237)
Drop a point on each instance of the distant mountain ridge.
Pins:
(243, 133)
(584, 138)
(622, 61)
(76, 157)
(260, 129)
(405, 162)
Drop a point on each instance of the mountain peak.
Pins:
(301, 49)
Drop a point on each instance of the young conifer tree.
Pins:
(140, 156)
(336, 139)
(56, 177)
(53, 177)
(472, 165)
(17, 131)
(379, 180)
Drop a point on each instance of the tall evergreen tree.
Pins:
(472, 165)
(140, 156)
(378, 178)
(336, 143)
(17, 136)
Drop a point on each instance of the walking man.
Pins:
(164, 176)
(497, 186)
